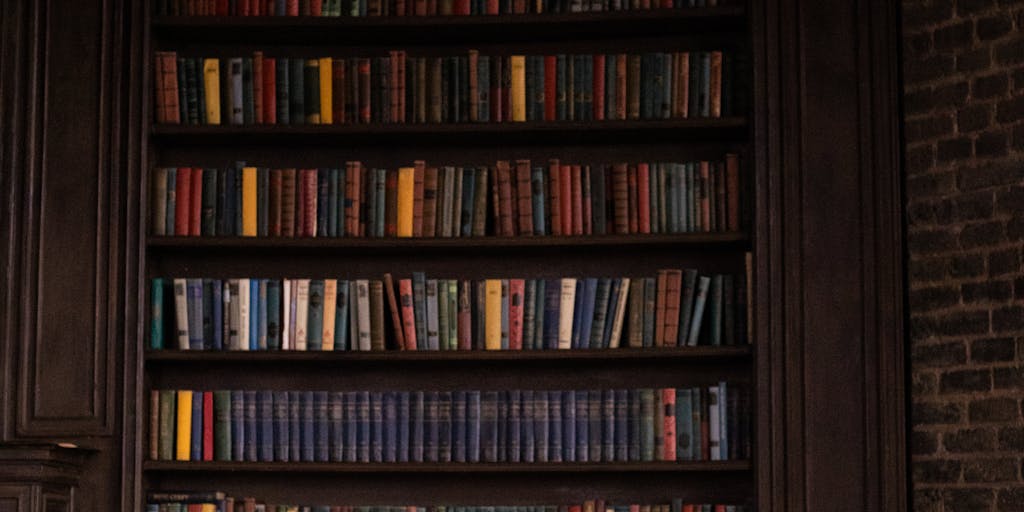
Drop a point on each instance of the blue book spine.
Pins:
(502, 420)
(459, 426)
(315, 315)
(351, 426)
(238, 425)
(633, 436)
(540, 306)
(294, 426)
(473, 426)
(514, 434)
(281, 444)
(468, 194)
(322, 424)
(569, 426)
(332, 202)
(684, 425)
(363, 426)
(390, 427)
(541, 435)
(336, 412)
(273, 314)
(254, 314)
(208, 326)
(537, 192)
(489, 426)
(552, 304)
(194, 290)
(280, 8)
(444, 427)
(430, 437)
(217, 291)
(577, 315)
(587, 313)
(723, 421)
(251, 426)
(596, 425)
(307, 445)
(613, 300)
(262, 334)
(608, 425)
(341, 200)
(403, 426)
(418, 415)
(582, 426)
(265, 404)
(419, 294)
(196, 450)
(157, 314)
(376, 426)
(555, 426)
(341, 316)
(621, 411)
(527, 437)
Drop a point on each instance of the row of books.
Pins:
(517, 426)
(676, 308)
(443, 89)
(511, 198)
(216, 501)
(359, 8)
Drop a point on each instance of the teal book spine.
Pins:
(273, 314)
(431, 312)
(341, 316)
(263, 318)
(419, 285)
(315, 320)
(263, 201)
(716, 310)
(156, 315)
(248, 102)
(684, 425)
(442, 314)
(529, 314)
(689, 292)
(698, 309)
(311, 90)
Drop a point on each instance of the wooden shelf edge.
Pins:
(525, 356)
(461, 468)
(688, 239)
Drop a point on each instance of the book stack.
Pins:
(357, 8)
(675, 308)
(517, 426)
(216, 501)
(511, 198)
(473, 88)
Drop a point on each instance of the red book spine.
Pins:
(732, 191)
(274, 215)
(668, 399)
(565, 182)
(182, 207)
(208, 426)
(643, 186)
(309, 183)
(316, 7)
(244, 8)
(496, 75)
(195, 216)
(431, 7)
(683, 79)
(257, 87)
(257, 8)
(396, 313)
(364, 90)
(269, 91)
(598, 87)
(419, 166)
(550, 87)
(620, 198)
(222, 8)
(391, 203)
(588, 213)
(705, 197)
(430, 202)
(292, 8)
(577, 200)
(338, 91)
(300, 202)
(492, 6)
(516, 292)
(400, 8)
(633, 200)
(505, 198)
(420, 7)
(659, 309)
(408, 315)
(554, 205)
(288, 202)
(524, 196)
(620, 86)
(465, 316)
(460, 7)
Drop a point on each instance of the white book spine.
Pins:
(234, 314)
(714, 423)
(181, 312)
(330, 305)
(286, 318)
(301, 312)
(363, 298)
(620, 314)
(243, 313)
(566, 309)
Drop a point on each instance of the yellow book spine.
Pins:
(405, 199)
(211, 90)
(183, 445)
(326, 91)
(518, 87)
(248, 201)
(492, 314)
(208, 507)
(330, 302)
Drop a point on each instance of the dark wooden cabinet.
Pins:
(821, 147)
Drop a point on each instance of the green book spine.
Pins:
(209, 216)
(168, 421)
(263, 202)
(156, 326)
(311, 91)
(222, 425)
(297, 91)
(442, 314)
(248, 101)
(315, 322)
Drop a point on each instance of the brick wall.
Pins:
(964, 126)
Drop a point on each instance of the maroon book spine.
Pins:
(195, 215)
(274, 215)
(620, 198)
(269, 91)
(338, 91)
(364, 90)
(598, 86)
(565, 181)
(577, 199)
(257, 87)
(633, 199)
(288, 202)
(309, 182)
(524, 195)
(554, 206)
(396, 314)
(182, 208)
(505, 196)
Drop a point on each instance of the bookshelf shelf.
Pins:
(690, 241)
(734, 354)
(391, 30)
(726, 129)
(448, 467)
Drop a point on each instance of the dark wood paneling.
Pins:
(14, 498)
(67, 298)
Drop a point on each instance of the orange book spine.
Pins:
(715, 84)
(668, 400)
(408, 314)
